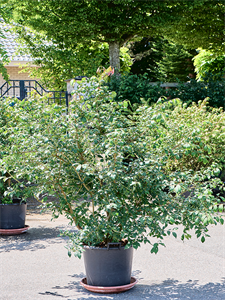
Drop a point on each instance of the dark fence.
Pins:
(21, 88)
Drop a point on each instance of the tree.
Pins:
(208, 64)
(161, 59)
(145, 54)
(3, 54)
(56, 64)
(201, 25)
(176, 63)
(3, 60)
(67, 22)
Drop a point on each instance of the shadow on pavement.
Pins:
(172, 289)
(168, 289)
(31, 240)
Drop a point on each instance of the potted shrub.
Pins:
(110, 184)
(12, 191)
(12, 208)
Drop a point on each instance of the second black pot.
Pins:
(108, 266)
(12, 216)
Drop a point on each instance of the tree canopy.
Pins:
(201, 25)
(68, 22)
(3, 53)
(55, 64)
(209, 65)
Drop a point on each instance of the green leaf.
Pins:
(174, 234)
(187, 236)
(221, 208)
(198, 234)
(178, 188)
(222, 221)
(155, 248)
(172, 221)
(78, 167)
(202, 239)
(125, 103)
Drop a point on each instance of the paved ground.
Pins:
(35, 266)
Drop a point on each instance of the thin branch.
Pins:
(82, 182)
(70, 207)
(36, 197)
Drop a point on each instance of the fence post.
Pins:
(22, 90)
(67, 100)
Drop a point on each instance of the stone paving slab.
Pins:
(35, 266)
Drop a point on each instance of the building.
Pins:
(17, 61)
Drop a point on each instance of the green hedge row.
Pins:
(136, 89)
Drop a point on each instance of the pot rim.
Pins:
(14, 203)
(104, 248)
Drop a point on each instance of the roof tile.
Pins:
(10, 44)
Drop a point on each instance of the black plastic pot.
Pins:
(109, 266)
(12, 216)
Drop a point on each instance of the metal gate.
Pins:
(21, 88)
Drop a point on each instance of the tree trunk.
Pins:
(114, 55)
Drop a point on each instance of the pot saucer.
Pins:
(108, 289)
(14, 231)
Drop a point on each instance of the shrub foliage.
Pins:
(117, 176)
(137, 88)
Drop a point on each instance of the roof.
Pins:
(10, 44)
